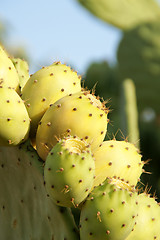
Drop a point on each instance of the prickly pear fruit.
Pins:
(120, 159)
(14, 118)
(148, 220)
(109, 212)
(80, 114)
(8, 74)
(45, 87)
(69, 172)
(22, 70)
(26, 210)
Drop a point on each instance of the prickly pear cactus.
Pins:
(8, 74)
(109, 212)
(45, 87)
(129, 112)
(26, 210)
(69, 172)
(121, 13)
(119, 159)
(148, 220)
(139, 59)
(79, 114)
(14, 118)
(22, 70)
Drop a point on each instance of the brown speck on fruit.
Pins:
(62, 90)
(90, 115)
(123, 225)
(110, 163)
(74, 109)
(49, 124)
(57, 63)
(35, 81)
(65, 70)
(126, 148)
(107, 232)
(111, 145)
(9, 68)
(7, 101)
(44, 99)
(28, 105)
(51, 74)
(80, 180)
(74, 83)
(58, 105)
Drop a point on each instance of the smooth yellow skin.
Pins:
(14, 118)
(74, 115)
(45, 87)
(8, 74)
(117, 158)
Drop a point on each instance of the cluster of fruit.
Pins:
(67, 125)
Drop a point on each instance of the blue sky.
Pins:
(62, 30)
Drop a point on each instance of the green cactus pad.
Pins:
(22, 70)
(69, 172)
(79, 114)
(14, 118)
(121, 13)
(120, 159)
(148, 220)
(26, 210)
(139, 59)
(8, 74)
(45, 87)
(109, 212)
